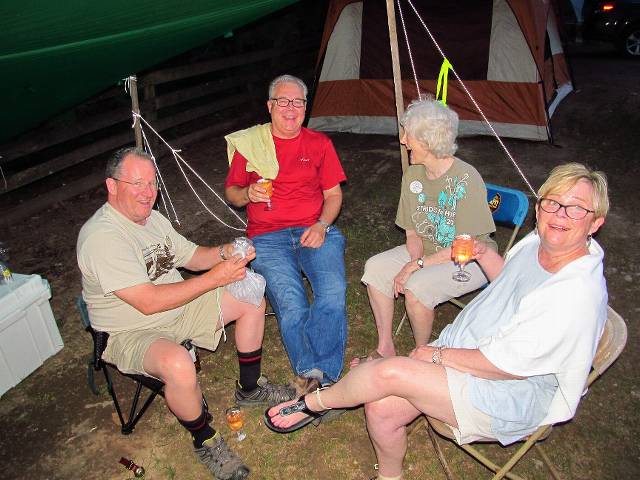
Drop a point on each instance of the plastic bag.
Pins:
(241, 246)
(251, 288)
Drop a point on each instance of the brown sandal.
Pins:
(374, 355)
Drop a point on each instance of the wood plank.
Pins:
(54, 133)
(48, 136)
(213, 130)
(38, 172)
(84, 184)
(41, 202)
(186, 71)
(194, 113)
(191, 93)
(209, 66)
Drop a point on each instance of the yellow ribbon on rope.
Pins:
(443, 78)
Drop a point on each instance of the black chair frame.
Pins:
(153, 386)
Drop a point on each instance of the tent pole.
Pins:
(135, 107)
(397, 77)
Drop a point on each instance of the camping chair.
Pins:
(509, 208)
(610, 346)
(154, 386)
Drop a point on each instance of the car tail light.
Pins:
(607, 6)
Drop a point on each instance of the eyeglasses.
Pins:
(285, 102)
(139, 184)
(575, 212)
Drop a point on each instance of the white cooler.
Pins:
(28, 332)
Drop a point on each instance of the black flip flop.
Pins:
(299, 406)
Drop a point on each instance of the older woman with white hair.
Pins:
(441, 196)
(517, 357)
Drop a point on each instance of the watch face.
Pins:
(420, 262)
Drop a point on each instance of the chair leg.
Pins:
(414, 426)
(457, 303)
(516, 229)
(443, 461)
(112, 392)
(489, 464)
(552, 469)
(531, 441)
(128, 425)
(399, 327)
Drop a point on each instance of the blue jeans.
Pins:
(315, 335)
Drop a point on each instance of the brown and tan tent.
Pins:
(507, 52)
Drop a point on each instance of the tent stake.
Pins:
(397, 77)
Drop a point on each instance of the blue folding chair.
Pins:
(509, 208)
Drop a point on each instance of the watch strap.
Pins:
(324, 224)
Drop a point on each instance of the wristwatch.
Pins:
(420, 262)
(324, 224)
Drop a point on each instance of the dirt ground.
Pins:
(53, 427)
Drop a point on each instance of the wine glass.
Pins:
(235, 419)
(267, 184)
(461, 253)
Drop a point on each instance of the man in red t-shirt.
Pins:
(296, 236)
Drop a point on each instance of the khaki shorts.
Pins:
(473, 425)
(201, 321)
(432, 285)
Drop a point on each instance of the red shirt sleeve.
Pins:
(331, 172)
(238, 175)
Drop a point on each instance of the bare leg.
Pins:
(421, 318)
(382, 307)
(423, 385)
(172, 364)
(249, 322)
(386, 423)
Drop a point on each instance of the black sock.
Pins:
(199, 428)
(250, 363)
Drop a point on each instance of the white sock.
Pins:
(382, 477)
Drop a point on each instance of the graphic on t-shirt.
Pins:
(159, 259)
(437, 221)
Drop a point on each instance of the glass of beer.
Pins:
(267, 184)
(235, 420)
(461, 253)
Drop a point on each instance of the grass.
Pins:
(340, 449)
(86, 442)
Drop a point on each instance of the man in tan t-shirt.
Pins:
(129, 254)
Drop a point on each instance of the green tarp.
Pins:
(55, 54)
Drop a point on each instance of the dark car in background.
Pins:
(616, 21)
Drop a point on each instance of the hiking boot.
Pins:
(220, 460)
(266, 393)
